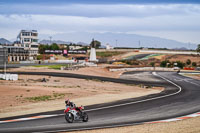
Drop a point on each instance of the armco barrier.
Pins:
(188, 68)
(142, 69)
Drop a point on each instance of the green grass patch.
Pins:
(52, 66)
(39, 98)
(150, 56)
(46, 97)
(96, 80)
(58, 95)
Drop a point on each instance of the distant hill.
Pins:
(83, 44)
(62, 42)
(54, 41)
(182, 48)
(4, 41)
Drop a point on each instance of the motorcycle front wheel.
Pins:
(69, 117)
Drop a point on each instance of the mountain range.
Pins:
(54, 41)
(123, 40)
(4, 41)
(62, 42)
(114, 39)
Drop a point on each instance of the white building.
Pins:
(29, 40)
(75, 47)
(108, 47)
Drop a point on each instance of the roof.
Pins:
(28, 30)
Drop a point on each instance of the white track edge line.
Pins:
(155, 74)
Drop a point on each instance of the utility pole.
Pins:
(189, 45)
(139, 43)
(50, 39)
(4, 60)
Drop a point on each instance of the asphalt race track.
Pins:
(181, 97)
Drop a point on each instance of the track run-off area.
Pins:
(179, 100)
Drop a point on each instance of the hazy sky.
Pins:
(172, 19)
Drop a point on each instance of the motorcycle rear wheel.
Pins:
(85, 117)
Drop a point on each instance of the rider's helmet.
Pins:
(67, 101)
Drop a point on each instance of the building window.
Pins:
(34, 46)
(34, 34)
(25, 34)
(34, 40)
(26, 40)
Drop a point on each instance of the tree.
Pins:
(188, 62)
(95, 44)
(42, 48)
(198, 48)
(54, 46)
(180, 64)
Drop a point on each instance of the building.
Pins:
(16, 54)
(75, 47)
(13, 54)
(108, 47)
(29, 40)
(3, 56)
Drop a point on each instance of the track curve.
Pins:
(170, 103)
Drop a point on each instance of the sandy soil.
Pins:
(183, 58)
(159, 57)
(26, 95)
(125, 55)
(195, 76)
(184, 126)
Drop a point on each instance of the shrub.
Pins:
(188, 62)
(194, 64)
(164, 63)
(152, 64)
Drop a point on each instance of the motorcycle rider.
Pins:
(72, 105)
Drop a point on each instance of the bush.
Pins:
(164, 63)
(152, 64)
(188, 62)
(131, 62)
(194, 64)
(39, 57)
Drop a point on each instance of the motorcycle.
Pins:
(78, 113)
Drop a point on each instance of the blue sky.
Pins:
(172, 19)
(100, 1)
